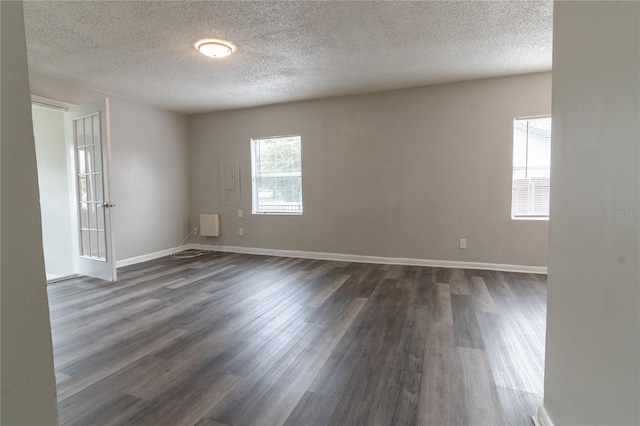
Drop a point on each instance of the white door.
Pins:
(90, 129)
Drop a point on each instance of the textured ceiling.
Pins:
(286, 51)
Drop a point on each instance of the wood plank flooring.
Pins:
(229, 339)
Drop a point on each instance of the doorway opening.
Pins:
(55, 170)
(72, 158)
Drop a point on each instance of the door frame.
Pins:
(71, 173)
(51, 103)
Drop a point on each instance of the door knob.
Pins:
(107, 205)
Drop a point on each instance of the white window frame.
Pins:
(524, 217)
(254, 177)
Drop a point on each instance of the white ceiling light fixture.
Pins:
(214, 48)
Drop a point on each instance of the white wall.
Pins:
(149, 168)
(592, 374)
(404, 173)
(28, 384)
(55, 189)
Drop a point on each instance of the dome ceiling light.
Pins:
(214, 48)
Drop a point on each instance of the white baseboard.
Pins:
(59, 278)
(150, 256)
(373, 259)
(340, 257)
(543, 416)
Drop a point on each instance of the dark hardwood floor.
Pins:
(228, 339)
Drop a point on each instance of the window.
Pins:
(276, 173)
(531, 168)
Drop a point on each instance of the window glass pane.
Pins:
(97, 151)
(280, 194)
(94, 243)
(79, 130)
(102, 247)
(519, 149)
(88, 161)
(100, 217)
(82, 188)
(531, 167)
(91, 191)
(539, 148)
(92, 216)
(97, 159)
(277, 175)
(280, 155)
(81, 159)
(85, 249)
(98, 187)
(95, 126)
(88, 131)
(84, 215)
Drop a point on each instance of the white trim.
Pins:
(61, 278)
(532, 117)
(51, 103)
(275, 213)
(543, 416)
(150, 256)
(340, 257)
(373, 259)
(254, 188)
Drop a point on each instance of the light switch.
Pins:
(239, 212)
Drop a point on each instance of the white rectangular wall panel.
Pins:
(210, 225)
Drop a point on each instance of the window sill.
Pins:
(530, 218)
(276, 214)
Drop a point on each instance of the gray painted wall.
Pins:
(55, 189)
(592, 374)
(149, 168)
(28, 386)
(404, 173)
(149, 178)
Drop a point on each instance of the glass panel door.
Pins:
(89, 124)
(90, 186)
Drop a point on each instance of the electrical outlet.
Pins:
(240, 232)
(239, 212)
(463, 243)
(195, 231)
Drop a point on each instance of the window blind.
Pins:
(531, 167)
